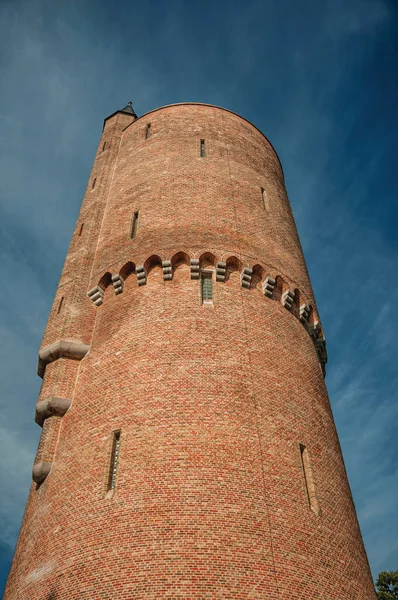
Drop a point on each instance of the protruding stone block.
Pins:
(221, 271)
(318, 338)
(40, 471)
(61, 349)
(141, 275)
(51, 407)
(246, 277)
(118, 283)
(269, 286)
(315, 330)
(195, 268)
(288, 299)
(304, 313)
(96, 295)
(320, 345)
(167, 270)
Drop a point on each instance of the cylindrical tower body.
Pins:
(188, 447)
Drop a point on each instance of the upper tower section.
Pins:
(127, 110)
(194, 177)
(70, 316)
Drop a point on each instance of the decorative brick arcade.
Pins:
(188, 449)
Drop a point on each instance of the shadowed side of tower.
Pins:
(188, 446)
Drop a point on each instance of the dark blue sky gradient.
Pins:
(320, 79)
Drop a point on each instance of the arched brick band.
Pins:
(287, 298)
(61, 349)
(51, 407)
(40, 471)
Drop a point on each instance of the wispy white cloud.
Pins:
(15, 468)
(359, 18)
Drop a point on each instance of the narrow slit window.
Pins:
(265, 199)
(60, 305)
(114, 461)
(81, 229)
(134, 225)
(104, 146)
(202, 148)
(94, 182)
(207, 287)
(309, 479)
(148, 131)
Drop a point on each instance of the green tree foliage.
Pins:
(387, 585)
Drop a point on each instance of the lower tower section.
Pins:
(209, 494)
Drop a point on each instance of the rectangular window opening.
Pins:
(94, 182)
(81, 229)
(265, 199)
(148, 131)
(207, 287)
(114, 460)
(134, 225)
(309, 479)
(202, 148)
(60, 305)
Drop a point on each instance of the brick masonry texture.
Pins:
(214, 403)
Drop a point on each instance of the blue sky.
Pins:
(320, 80)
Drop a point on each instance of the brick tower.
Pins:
(188, 449)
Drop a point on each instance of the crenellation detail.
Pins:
(195, 268)
(320, 345)
(221, 270)
(118, 283)
(167, 270)
(318, 338)
(141, 275)
(315, 330)
(304, 313)
(288, 299)
(246, 277)
(96, 295)
(269, 286)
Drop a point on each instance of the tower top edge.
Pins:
(145, 115)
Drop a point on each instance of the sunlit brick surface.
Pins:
(212, 402)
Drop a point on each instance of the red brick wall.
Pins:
(212, 402)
